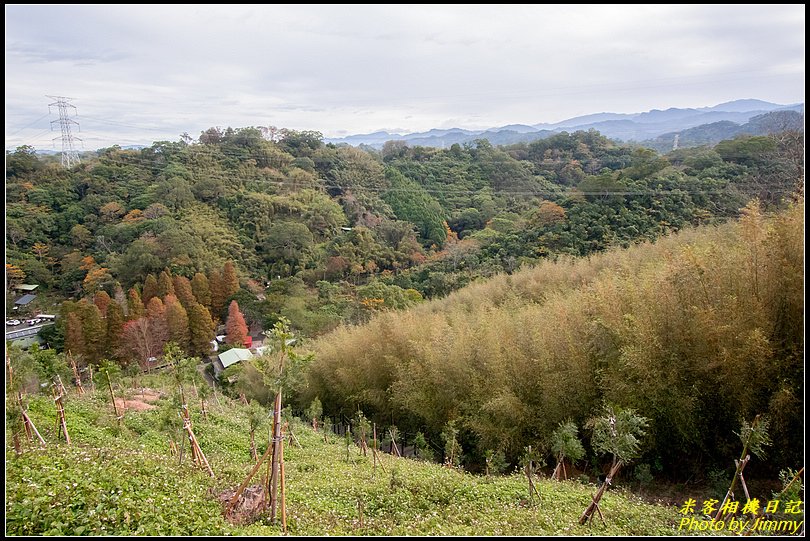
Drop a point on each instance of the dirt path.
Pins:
(140, 402)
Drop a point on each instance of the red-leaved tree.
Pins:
(235, 328)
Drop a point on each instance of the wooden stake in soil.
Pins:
(394, 443)
(274, 469)
(60, 412)
(741, 463)
(244, 484)
(374, 450)
(28, 424)
(375, 454)
(594, 505)
(76, 373)
(283, 491)
(253, 454)
(118, 416)
(529, 470)
(199, 457)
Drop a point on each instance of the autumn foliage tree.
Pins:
(102, 300)
(150, 288)
(135, 308)
(94, 331)
(138, 343)
(230, 281)
(183, 291)
(217, 291)
(223, 286)
(236, 328)
(156, 314)
(165, 284)
(201, 290)
(201, 329)
(115, 324)
(177, 322)
(74, 337)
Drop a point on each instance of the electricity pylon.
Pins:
(70, 156)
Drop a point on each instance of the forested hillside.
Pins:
(698, 331)
(470, 300)
(323, 234)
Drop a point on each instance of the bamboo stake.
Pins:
(216, 396)
(742, 479)
(30, 429)
(60, 386)
(60, 410)
(743, 460)
(529, 469)
(394, 443)
(195, 446)
(244, 484)
(283, 491)
(186, 417)
(182, 444)
(374, 450)
(276, 454)
(594, 505)
(76, 373)
(15, 439)
(293, 437)
(253, 454)
(112, 396)
(29, 425)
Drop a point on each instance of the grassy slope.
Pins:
(129, 485)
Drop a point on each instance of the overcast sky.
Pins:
(144, 73)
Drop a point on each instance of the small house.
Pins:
(26, 287)
(232, 356)
(25, 300)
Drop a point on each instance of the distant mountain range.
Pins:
(48, 152)
(654, 128)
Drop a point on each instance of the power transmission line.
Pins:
(70, 155)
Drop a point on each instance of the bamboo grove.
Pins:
(697, 331)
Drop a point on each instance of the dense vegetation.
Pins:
(330, 234)
(697, 331)
(112, 481)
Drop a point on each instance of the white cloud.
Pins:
(353, 69)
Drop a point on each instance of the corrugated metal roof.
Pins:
(25, 299)
(234, 356)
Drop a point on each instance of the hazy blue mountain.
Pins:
(711, 134)
(643, 126)
(741, 106)
(519, 128)
(585, 120)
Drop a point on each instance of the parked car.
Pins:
(13, 322)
